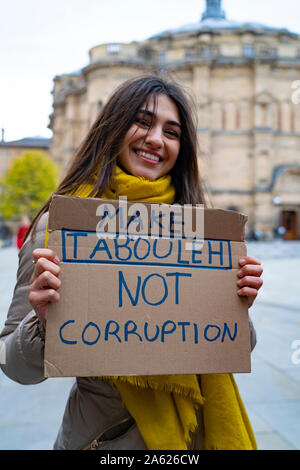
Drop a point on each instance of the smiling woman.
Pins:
(151, 145)
(143, 145)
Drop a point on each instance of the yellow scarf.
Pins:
(136, 188)
(164, 406)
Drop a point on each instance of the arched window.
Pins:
(203, 50)
(248, 51)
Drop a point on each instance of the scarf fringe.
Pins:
(146, 382)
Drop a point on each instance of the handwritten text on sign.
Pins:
(209, 254)
(152, 289)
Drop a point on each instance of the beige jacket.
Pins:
(94, 416)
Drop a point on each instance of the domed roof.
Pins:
(214, 20)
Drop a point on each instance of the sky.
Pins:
(42, 39)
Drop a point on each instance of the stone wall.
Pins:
(248, 126)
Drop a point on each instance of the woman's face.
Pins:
(151, 145)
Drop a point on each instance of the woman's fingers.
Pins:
(40, 301)
(250, 281)
(44, 282)
(45, 260)
(249, 260)
(45, 253)
(42, 265)
(250, 270)
(249, 278)
(41, 298)
(250, 293)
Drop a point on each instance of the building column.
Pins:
(264, 216)
(263, 207)
(201, 89)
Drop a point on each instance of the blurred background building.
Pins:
(241, 76)
(14, 148)
(9, 152)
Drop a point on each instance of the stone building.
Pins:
(14, 148)
(9, 150)
(244, 78)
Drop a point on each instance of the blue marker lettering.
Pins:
(179, 260)
(135, 249)
(98, 247)
(137, 219)
(227, 330)
(131, 331)
(119, 244)
(106, 213)
(196, 252)
(165, 331)
(183, 324)
(177, 276)
(75, 235)
(155, 218)
(196, 333)
(155, 249)
(206, 332)
(60, 333)
(122, 282)
(113, 332)
(90, 343)
(176, 222)
(212, 252)
(165, 295)
(146, 332)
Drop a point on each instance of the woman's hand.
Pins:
(249, 278)
(44, 282)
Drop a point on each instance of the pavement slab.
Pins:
(31, 415)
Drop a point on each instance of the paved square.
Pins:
(31, 414)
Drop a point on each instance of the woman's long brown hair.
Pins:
(102, 144)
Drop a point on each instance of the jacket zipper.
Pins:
(97, 440)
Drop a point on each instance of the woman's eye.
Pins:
(172, 133)
(143, 122)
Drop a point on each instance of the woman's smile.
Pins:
(151, 145)
(152, 158)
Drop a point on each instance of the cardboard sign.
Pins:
(135, 301)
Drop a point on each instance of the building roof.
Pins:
(214, 20)
(30, 142)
